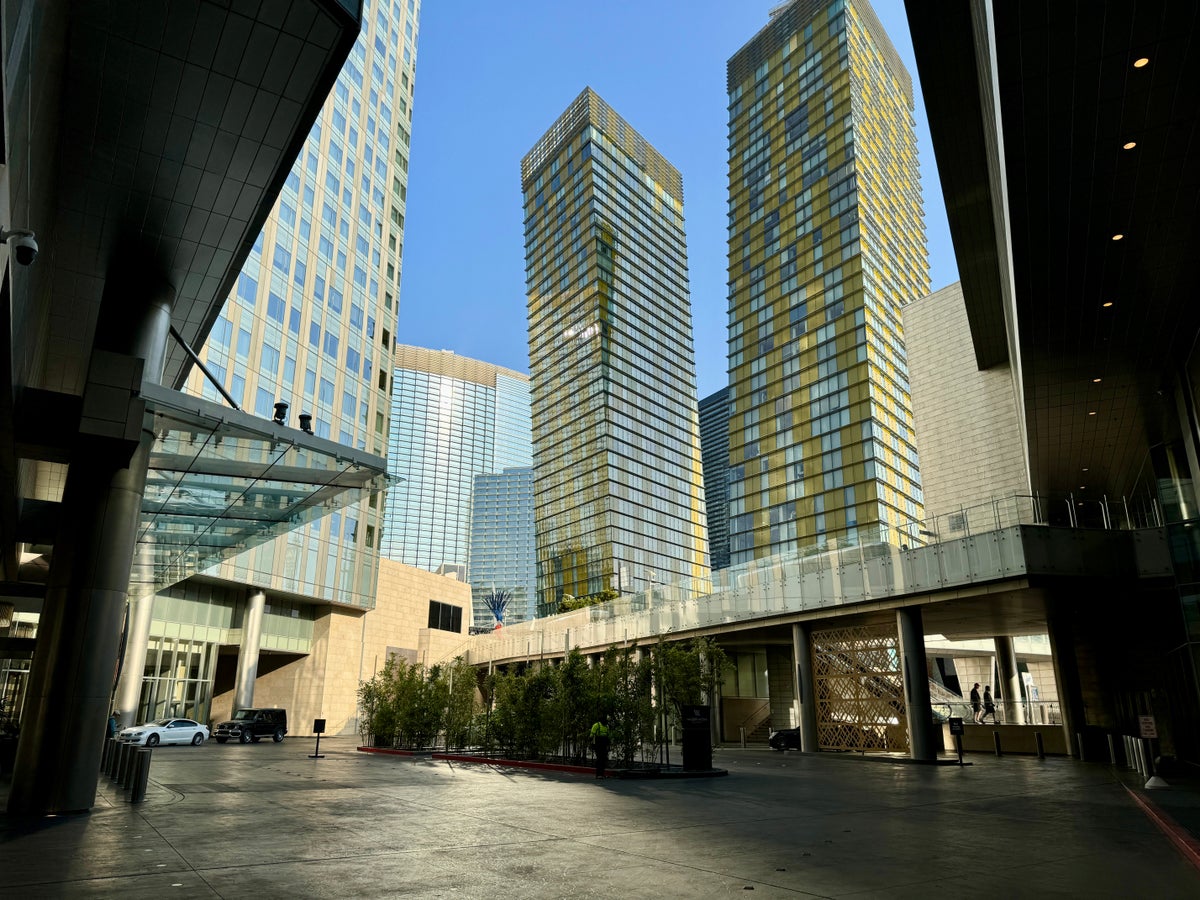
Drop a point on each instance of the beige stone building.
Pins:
(968, 433)
(350, 645)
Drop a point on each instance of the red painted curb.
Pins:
(515, 763)
(1176, 833)
(387, 750)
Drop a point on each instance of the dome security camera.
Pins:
(23, 243)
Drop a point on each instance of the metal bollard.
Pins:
(1128, 755)
(1140, 755)
(118, 760)
(141, 775)
(1079, 743)
(742, 731)
(1148, 752)
(105, 753)
(1041, 748)
(996, 741)
(1112, 751)
(110, 760)
(126, 766)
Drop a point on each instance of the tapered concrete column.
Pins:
(247, 663)
(1010, 678)
(1066, 673)
(802, 686)
(79, 633)
(911, 628)
(137, 638)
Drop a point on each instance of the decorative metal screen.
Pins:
(859, 689)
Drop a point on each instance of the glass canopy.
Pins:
(222, 481)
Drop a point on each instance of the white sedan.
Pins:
(165, 731)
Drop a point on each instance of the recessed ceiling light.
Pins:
(1107, 305)
(1117, 237)
(1095, 381)
(1130, 145)
(1139, 63)
(1092, 413)
(1083, 487)
(1085, 468)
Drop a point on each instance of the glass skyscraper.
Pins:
(503, 555)
(618, 493)
(453, 418)
(826, 244)
(714, 454)
(312, 319)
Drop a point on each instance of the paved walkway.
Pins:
(264, 820)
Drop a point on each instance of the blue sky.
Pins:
(492, 77)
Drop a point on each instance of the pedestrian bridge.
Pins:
(983, 547)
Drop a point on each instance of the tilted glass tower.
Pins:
(453, 418)
(826, 244)
(714, 453)
(618, 494)
(312, 319)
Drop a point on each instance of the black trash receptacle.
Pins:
(697, 738)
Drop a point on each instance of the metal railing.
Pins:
(1034, 712)
(919, 557)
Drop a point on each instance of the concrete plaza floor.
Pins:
(264, 820)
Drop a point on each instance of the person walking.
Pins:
(989, 705)
(113, 724)
(600, 739)
(976, 705)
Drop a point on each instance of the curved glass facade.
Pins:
(453, 419)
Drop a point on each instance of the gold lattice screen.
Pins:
(859, 689)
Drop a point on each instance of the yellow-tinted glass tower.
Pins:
(826, 244)
(618, 490)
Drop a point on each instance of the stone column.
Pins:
(910, 626)
(79, 634)
(1010, 678)
(137, 639)
(247, 663)
(802, 686)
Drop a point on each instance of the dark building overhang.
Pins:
(180, 123)
(1048, 184)
(147, 142)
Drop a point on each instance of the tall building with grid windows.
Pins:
(311, 320)
(453, 418)
(714, 454)
(618, 493)
(503, 556)
(826, 244)
(309, 323)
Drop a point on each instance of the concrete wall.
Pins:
(350, 645)
(968, 433)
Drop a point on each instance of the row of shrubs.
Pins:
(539, 711)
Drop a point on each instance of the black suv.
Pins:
(252, 724)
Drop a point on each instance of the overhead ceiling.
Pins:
(1098, 380)
(179, 123)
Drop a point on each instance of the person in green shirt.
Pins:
(600, 739)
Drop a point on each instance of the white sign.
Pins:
(1147, 726)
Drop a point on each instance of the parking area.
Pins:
(264, 819)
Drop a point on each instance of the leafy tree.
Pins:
(577, 694)
(687, 672)
(569, 603)
(626, 699)
(461, 704)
